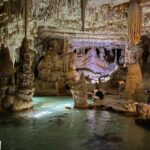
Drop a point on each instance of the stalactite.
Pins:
(55, 6)
(26, 18)
(134, 22)
(83, 4)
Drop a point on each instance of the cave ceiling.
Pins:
(104, 19)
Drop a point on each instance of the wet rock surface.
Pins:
(143, 111)
(145, 123)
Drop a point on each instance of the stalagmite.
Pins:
(79, 93)
(134, 89)
(20, 97)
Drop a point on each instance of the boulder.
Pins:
(143, 110)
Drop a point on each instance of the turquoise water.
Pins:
(50, 126)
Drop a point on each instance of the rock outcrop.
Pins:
(143, 111)
(58, 66)
(124, 106)
(134, 89)
(79, 93)
(7, 79)
(17, 89)
(25, 74)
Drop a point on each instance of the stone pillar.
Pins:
(25, 73)
(133, 80)
(79, 93)
(134, 89)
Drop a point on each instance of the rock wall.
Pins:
(7, 81)
(146, 61)
(17, 82)
(57, 67)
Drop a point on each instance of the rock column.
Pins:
(26, 76)
(79, 93)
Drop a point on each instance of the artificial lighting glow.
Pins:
(41, 114)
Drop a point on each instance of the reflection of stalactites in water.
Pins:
(105, 115)
(107, 141)
(18, 122)
(62, 115)
(60, 121)
(72, 119)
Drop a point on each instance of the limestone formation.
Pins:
(134, 22)
(134, 82)
(123, 106)
(7, 81)
(143, 110)
(17, 92)
(79, 93)
(58, 66)
(56, 69)
(25, 73)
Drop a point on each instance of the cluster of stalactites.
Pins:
(14, 11)
(17, 8)
(55, 5)
(14, 56)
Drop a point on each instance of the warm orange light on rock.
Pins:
(134, 22)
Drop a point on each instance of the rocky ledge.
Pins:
(143, 111)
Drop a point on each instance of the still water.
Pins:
(50, 126)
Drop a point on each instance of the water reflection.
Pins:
(51, 126)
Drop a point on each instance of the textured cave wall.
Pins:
(146, 61)
(16, 84)
(55, 69)
(65, 18)
(7, 85)
(7, 78)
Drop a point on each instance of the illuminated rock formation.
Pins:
(134, 22)
(25, 73)
(7, 85)
(79, 93)
(17, 84)
(134, 89)
(58, 66)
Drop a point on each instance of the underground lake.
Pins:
(52, 125)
